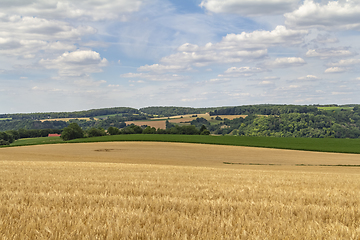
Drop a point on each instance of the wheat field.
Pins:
(100, 200)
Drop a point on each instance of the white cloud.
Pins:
(249, 7)
(78, 63)
(89, 82)
(242, 71)
(334, 15)
(335, 70)
(154, 76)
(326, 38)
(27, 36)
(346, 62)
(266, 83)
(285, 62)
(340, 93)
(309, 77)
(328, 53)
(93, 10)
(263, 39)
(233, 48)
(163, 68)
(206, 57)
(245, 70)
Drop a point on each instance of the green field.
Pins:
(3, 119)
(36, 141)
(307, 144)
(110, 115)
(336, 109)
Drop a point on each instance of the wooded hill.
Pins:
(315, 121)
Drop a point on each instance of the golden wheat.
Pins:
(67, 200)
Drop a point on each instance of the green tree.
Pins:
(149, 130)
(113, 131)
(72, 131)
(96, 132)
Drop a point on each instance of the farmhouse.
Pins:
(54, 135)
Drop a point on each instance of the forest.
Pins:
(312, 121)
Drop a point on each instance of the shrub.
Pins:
(72, 131)
(113, 131)
(96, 132)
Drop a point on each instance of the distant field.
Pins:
(156, 124)
(2, 119)
(307, 144)
(37, 141)
(169, 153)
(64, 119)
(182, 119)
(109, 115)
(336, 109)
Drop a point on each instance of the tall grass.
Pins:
(61, 200)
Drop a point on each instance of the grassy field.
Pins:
(71, 200)
(336, 109)
(36, 141)
(307, 144)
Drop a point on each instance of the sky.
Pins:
(63, 55)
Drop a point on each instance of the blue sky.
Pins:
(74, 55)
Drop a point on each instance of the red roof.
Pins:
(54, 135)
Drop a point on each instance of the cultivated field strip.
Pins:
(164, 153)
(67, 200)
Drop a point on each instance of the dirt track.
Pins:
(182, 154)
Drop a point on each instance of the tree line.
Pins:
(77, 114)
(9, 137)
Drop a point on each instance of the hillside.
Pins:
(315, 121)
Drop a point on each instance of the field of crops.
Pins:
(72, 200)
(160, 190)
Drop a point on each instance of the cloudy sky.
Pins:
(63, 55)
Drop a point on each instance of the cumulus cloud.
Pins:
(309, 77)
(163, 68)
(154, 76)
(335, 70)
(232, 48)
(93, 10)
(325, 38)
(340, 15)
(266, 83)
(346, 62)
(249, 7)
(263, 39)
(324, 53)
(245, 70)
(285, 62)
(78, 63)
(211, 56)
(27, 36)
(242, 71)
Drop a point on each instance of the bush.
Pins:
(113, 131)
(96, 132)
(72, 131)
(149, 130)
(132, 129)
(3, 142)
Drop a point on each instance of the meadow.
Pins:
(335, 108)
